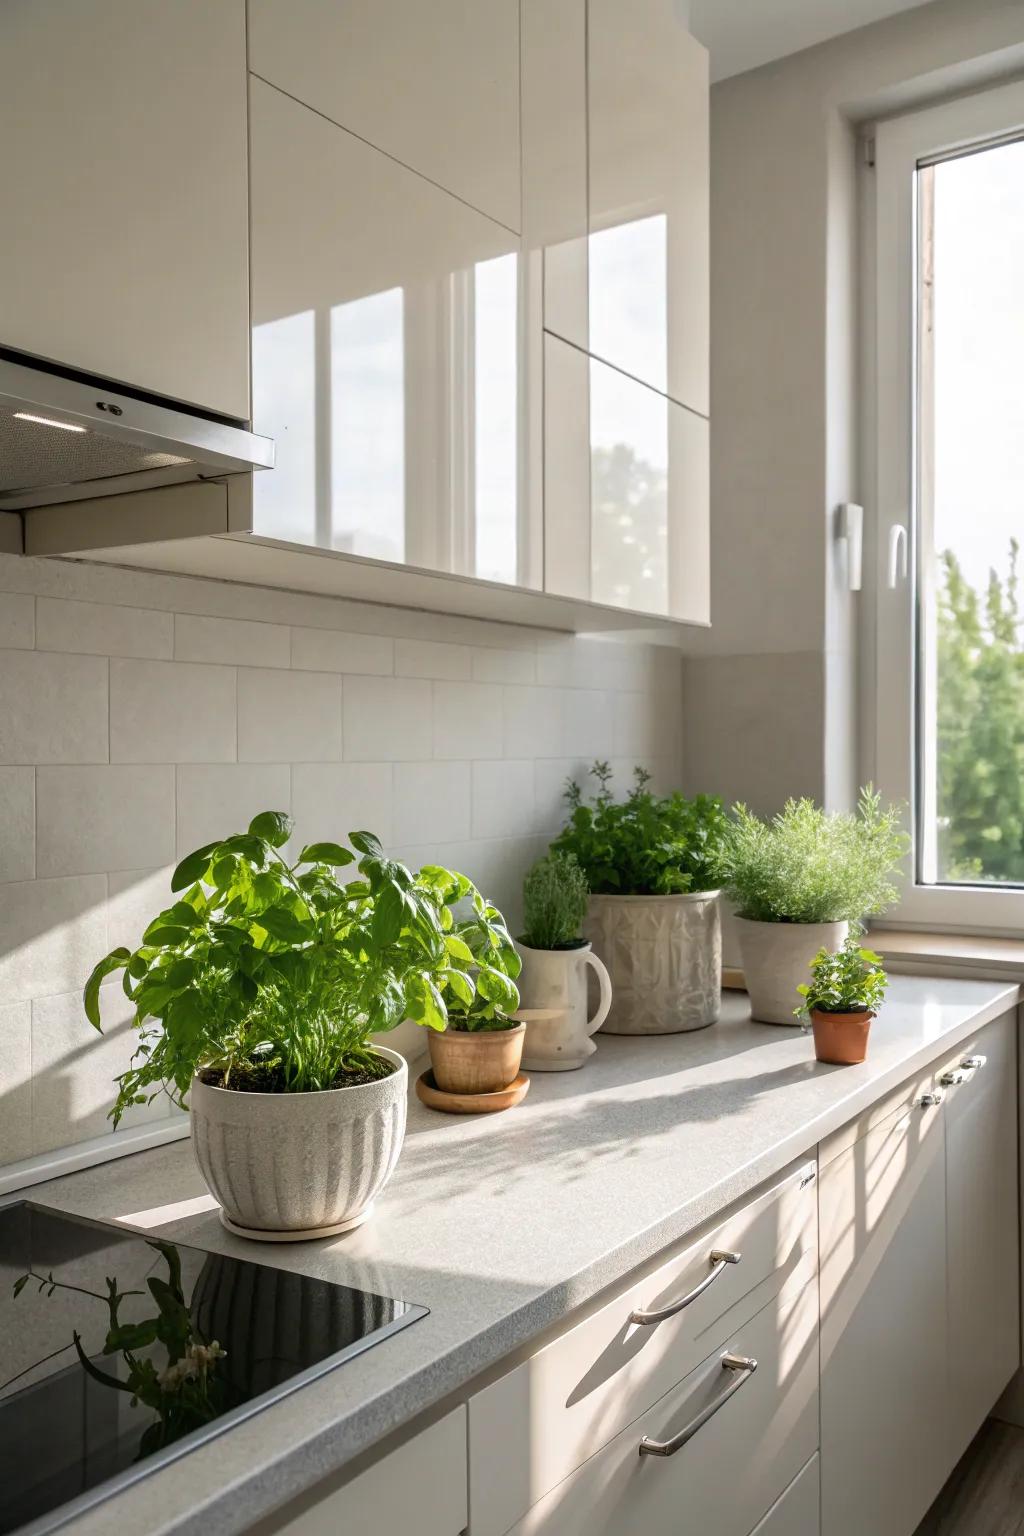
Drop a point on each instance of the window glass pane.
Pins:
(971, 514)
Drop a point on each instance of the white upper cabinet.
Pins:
(432, 83)
(123, 185)
(649, 197)
(386, 337)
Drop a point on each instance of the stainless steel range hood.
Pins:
(66, 435)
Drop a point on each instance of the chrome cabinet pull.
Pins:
(741, 1367)
(973, 1063)
(719, 1257)
(931, 1100)
(954, 1077)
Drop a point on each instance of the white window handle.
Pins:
(898, 542)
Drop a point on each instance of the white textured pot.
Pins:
(554, 981)
(664, 956)
(285, 1165)
(776, 959)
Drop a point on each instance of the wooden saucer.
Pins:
(433, 1097)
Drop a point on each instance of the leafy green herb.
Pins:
(262, 967)
(645, 845)
(805, 866)
(851, 981)
(555, 894)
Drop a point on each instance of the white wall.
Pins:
(142, 715)
(779, 664)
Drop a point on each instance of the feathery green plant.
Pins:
(806, 866)
(555, 894)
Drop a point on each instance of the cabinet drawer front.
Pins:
(419, 1487)
(534, 1426)
(797, 1513)
(736, 1464)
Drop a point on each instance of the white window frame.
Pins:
(901, 145)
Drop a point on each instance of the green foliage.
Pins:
(645, 845)
(555, 894)
(980, 727)
(805, 866)
(186, 1391)
(849, 981)
(262, 963)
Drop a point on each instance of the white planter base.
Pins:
(553, 997)
(306, 1235)
(777, 958)
(664, 955)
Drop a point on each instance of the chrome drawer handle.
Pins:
(742, 1367)
(931, 1100)
(954, 1077)
(973, 1063)
(720, 1258)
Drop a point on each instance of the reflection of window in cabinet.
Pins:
(389, 359)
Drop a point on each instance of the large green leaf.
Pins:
(283, 924)
(274, 827)
(367, 842)
(91, 996)
(193, 867)
(389, 914)
(326, 853)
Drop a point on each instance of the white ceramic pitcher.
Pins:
(553, 994)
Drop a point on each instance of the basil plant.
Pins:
(274, 975)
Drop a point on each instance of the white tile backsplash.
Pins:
(17, 823)
(103, 629)
(300, 709)
(17, 621)
(53, 708)
(237, 642)
(115, 814)
(171, 712)
(142, 715)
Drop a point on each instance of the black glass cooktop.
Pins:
(120, 1351)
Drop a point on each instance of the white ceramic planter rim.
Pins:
(306, 1093)
(658, 896)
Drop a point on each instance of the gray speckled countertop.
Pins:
(501, 1225)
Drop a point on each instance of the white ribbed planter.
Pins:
(664, 956)
(776, 959)
(285, 1165)
(554, 981)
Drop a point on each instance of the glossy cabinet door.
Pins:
(982, 1227)
(434, 85)
(387, 333)
(123, 186)
(649, 206)
(884, 1374)
(797, 1512)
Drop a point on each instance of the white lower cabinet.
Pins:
(918, 1221)
(420, 1488)
(754, 1430)
(797, 1513)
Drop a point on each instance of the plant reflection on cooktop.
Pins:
(119, 1352)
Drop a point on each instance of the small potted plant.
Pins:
(256, 996)
(653, 915)
(798, 881)
(556, 957)
(480, 1049)
(844, 994)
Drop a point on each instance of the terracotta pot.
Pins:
(476, 1060)
(841, 1038)
(664, 957)
(776, 959)
(553, 997)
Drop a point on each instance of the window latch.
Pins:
(898, 542)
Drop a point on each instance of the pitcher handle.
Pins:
(604, 981)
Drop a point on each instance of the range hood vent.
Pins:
(66, 435)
